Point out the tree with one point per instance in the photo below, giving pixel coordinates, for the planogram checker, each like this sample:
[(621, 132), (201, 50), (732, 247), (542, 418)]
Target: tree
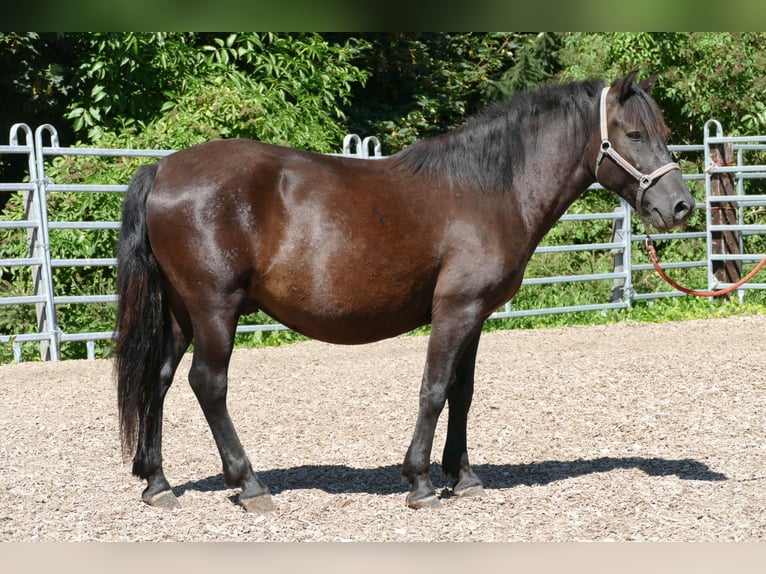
[(33, 77), (536, 63), (701, 76), (184, 88), (422, 84), (34, 86)]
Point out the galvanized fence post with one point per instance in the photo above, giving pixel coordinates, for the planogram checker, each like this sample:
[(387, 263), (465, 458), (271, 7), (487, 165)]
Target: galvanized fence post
[(50, 322), (622, 285)]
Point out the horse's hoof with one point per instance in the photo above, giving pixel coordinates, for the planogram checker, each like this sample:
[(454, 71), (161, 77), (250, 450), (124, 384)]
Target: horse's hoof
[(476, 491), (258, 504), (164, 499), (430, 502)]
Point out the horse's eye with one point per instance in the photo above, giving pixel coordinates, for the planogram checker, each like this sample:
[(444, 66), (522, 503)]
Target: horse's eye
[(634, 136)]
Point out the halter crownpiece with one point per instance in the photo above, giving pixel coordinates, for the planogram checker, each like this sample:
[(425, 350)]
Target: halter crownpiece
[(645, 181)]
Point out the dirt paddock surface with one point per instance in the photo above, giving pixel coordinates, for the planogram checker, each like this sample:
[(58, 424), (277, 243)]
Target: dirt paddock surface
[(652, 432)]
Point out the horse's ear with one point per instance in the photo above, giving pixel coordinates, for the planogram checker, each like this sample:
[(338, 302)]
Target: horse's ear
[(625, 86), (648, 83)]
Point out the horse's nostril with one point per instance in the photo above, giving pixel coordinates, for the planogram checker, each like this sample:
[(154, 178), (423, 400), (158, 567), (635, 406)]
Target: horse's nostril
[(682, 211)]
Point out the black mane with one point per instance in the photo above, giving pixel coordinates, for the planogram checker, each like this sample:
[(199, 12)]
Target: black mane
[(490, 147)]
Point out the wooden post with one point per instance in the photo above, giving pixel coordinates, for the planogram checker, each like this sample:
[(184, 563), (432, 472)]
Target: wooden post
[(724, 242)]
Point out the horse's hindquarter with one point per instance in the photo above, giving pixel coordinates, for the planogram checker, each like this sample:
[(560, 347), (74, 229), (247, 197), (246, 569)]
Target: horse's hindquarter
[(338, 249)]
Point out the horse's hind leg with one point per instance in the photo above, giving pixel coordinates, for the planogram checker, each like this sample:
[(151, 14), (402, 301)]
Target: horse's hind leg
[(147, 463), (455, 457), (214, 340)]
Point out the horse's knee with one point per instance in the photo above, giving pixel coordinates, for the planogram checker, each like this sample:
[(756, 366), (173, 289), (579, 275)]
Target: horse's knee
[(208, 384), (433, 397)]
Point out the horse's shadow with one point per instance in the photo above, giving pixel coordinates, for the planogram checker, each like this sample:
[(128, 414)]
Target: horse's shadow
[(339, 479)]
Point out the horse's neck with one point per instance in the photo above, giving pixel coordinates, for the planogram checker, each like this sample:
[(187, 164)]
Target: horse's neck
[(549, 184)]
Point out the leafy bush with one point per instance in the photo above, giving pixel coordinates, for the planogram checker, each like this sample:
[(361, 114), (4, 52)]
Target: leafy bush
[(701, 75), (279, 88)]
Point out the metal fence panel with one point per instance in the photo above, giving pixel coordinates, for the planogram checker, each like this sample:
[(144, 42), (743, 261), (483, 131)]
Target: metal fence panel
[(620, 245), (38, 261)]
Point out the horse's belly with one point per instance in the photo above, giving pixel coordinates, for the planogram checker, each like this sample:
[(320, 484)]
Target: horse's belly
[(348, 331), (351, 312)]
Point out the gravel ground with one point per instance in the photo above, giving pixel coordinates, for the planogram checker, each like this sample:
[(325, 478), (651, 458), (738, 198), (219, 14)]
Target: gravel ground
[(650, 432)]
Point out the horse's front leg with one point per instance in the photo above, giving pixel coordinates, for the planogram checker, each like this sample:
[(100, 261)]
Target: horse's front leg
[(455, 462), (448, 342)]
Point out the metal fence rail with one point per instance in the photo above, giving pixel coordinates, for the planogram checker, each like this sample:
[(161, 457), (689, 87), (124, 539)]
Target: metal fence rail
[(38, 225)]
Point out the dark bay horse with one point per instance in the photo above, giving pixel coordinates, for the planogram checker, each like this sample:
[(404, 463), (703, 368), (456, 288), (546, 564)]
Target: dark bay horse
[(352, 251)]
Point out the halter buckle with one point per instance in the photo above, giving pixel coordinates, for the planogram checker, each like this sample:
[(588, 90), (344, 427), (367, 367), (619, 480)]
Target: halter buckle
[(645, 182)]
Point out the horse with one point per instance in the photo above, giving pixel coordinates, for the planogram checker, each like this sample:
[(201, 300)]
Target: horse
[(350, 251)]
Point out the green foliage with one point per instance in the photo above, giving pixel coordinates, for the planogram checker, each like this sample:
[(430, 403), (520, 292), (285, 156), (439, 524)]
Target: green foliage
[(700, 76), (536, 64), (422, 84), (265, 338), (69, 243), (34, 86), (280, 88), (122, 78), (728, 83)]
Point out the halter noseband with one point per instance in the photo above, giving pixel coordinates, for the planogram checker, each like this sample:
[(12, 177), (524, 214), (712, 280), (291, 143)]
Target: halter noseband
[(644, 181)]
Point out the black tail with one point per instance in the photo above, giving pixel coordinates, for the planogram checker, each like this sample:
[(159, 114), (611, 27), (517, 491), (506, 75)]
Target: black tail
[(138, 343)]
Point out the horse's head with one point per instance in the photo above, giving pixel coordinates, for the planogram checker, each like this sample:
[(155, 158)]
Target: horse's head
[(633, 158)]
